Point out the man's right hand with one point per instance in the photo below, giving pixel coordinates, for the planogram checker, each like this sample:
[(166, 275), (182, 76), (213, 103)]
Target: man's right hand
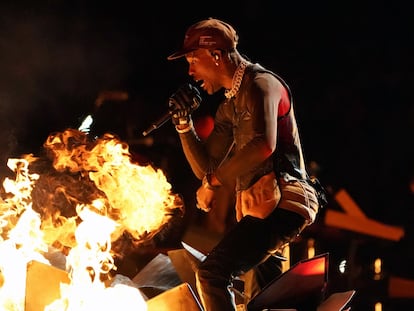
[(183, 102)]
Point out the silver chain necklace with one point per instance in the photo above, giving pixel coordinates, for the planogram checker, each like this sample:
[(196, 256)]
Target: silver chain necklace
[(237, 79)]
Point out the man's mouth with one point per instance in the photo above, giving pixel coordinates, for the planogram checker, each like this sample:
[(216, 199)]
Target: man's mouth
[(200, 83)]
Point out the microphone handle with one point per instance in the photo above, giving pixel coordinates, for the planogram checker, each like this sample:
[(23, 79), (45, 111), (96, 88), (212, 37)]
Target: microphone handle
[(195, 104), (160, 122)]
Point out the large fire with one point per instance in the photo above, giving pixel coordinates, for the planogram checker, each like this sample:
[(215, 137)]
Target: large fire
[(83, 200)]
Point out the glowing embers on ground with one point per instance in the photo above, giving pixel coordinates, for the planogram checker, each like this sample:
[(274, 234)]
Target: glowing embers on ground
[(76, 201)]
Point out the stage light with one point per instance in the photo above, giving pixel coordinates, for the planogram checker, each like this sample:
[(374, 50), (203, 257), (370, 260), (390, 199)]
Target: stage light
[(311, 248), (378, 306), (342, 266), (377, 269)]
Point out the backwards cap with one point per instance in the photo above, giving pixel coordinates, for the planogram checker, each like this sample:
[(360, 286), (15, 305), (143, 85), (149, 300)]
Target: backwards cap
[(208, 34)]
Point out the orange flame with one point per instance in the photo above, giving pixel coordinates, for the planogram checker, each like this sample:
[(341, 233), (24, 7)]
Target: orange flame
[(79, 198), (137, 197)]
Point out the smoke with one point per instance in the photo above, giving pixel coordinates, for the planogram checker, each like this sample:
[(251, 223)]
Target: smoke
[(54, 60)]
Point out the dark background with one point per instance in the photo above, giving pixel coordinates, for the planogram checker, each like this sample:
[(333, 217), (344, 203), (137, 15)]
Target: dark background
[(348, 64)]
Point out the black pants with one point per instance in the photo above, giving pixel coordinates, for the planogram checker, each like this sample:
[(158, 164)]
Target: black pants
[(247, 245)]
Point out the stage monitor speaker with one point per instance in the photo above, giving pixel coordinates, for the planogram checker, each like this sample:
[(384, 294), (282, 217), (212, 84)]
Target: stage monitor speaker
[(185, 265), (304, 284), (179, 298), (158, 276), (337, 302)]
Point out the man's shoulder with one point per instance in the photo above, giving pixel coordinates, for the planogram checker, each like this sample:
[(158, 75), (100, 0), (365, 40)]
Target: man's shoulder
[(258, 70), (260, 73)]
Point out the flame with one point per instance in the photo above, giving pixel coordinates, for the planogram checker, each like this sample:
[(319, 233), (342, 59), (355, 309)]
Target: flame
[(79, 198), (87, 261), (21, 238)]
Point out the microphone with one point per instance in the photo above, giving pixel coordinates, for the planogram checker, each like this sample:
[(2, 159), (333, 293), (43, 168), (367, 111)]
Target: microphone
[(164, 118), (158, 123)]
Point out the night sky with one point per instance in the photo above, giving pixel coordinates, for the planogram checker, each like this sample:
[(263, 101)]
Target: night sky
[(349, 67)]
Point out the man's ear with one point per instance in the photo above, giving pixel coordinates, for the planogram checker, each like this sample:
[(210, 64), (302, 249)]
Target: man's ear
[(216, 54)]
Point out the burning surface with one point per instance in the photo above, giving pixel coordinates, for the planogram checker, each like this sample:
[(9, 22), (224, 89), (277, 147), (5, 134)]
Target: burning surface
[(79, 199)]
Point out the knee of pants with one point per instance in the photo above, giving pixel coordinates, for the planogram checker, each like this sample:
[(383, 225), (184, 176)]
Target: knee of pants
[(206, 272), (211, 273)]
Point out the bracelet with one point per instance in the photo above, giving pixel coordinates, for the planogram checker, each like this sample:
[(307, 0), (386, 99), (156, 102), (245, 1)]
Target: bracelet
[(207, 184), (186, 129)]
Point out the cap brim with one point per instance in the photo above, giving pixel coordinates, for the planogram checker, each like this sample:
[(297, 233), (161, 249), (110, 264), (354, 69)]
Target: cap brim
[(180, 54)]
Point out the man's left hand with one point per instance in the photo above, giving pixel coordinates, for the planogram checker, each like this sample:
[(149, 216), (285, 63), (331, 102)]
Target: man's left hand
[(205, 198)]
